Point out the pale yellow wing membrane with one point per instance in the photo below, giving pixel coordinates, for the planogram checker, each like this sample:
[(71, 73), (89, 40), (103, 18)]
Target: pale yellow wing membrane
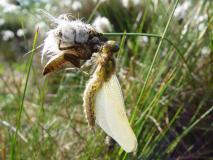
[(111, 116)]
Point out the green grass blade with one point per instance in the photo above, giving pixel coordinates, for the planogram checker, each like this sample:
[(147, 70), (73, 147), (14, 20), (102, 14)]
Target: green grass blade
[(187, 130), (156, 54), (23, 97)]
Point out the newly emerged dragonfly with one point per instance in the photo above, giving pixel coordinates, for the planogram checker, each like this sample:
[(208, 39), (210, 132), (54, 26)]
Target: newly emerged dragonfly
[(103, 100), (69, 42)]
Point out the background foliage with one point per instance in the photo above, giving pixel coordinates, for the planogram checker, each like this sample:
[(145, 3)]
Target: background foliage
[(168, 89)]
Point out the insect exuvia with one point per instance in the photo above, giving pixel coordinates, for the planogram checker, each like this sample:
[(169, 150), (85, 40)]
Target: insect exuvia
[(70, 41), (103, 100), (72, 55)]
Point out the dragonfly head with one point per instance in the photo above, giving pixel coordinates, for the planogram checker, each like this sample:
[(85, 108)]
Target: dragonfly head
[(111, 46)]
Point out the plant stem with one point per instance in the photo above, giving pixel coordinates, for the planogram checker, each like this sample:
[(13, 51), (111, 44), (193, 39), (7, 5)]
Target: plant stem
[(23, 97), (94, 11), (156, 36), (156, 53), (150, 69)]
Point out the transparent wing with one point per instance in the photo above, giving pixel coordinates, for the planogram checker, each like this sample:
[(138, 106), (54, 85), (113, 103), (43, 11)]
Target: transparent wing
[(111, 116)]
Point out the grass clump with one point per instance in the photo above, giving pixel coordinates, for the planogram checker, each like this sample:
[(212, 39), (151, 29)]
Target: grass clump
[(166, 77)]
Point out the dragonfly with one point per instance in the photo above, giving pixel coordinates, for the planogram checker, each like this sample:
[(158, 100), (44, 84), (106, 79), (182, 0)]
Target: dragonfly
[(104, 102)]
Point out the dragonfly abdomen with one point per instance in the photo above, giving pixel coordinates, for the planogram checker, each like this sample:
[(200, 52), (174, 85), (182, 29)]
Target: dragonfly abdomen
[(90, 91)]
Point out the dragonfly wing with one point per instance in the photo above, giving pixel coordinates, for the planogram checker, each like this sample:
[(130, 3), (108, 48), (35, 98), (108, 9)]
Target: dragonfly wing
[(111, 116)]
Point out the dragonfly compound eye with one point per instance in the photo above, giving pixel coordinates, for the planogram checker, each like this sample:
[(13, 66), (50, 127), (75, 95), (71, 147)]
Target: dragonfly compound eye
[(113, 46)]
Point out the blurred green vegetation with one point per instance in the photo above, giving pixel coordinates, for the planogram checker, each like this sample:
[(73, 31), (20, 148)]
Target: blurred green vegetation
[(170, 110)]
